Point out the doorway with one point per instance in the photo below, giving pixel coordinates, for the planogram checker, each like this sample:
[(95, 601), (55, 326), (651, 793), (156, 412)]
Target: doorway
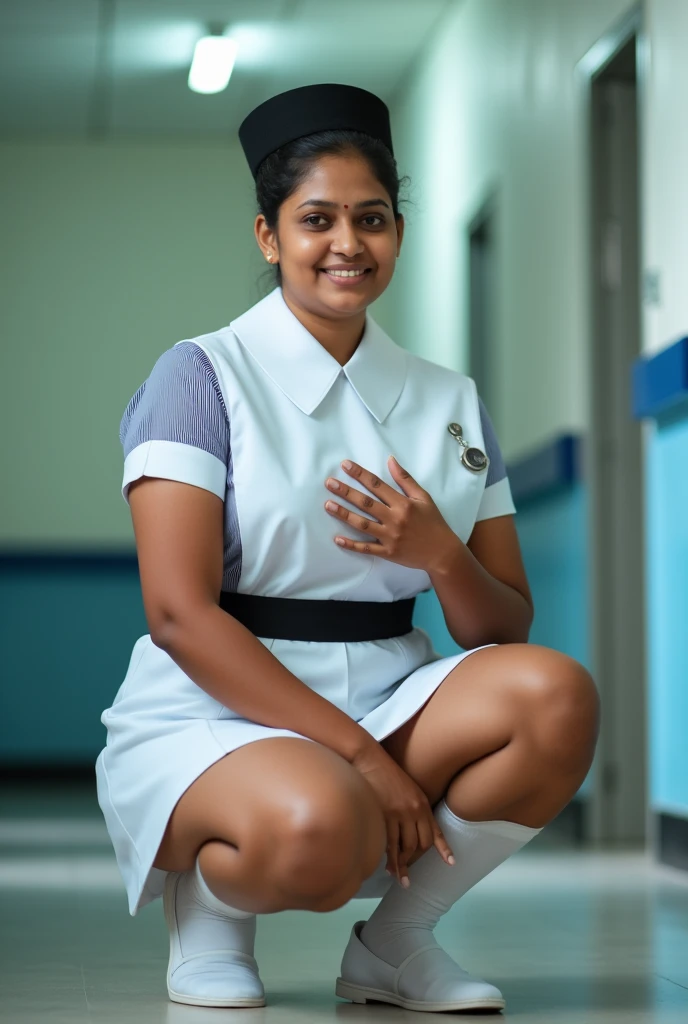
[(618, 798)]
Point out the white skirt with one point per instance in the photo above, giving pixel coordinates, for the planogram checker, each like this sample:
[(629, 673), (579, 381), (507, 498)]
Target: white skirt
[(164, 731)]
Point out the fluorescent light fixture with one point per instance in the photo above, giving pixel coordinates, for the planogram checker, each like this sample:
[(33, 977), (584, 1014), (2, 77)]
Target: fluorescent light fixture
[(212, 63)]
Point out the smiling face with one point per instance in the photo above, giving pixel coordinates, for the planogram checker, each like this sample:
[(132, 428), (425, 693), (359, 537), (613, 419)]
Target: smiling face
[(336, 238)]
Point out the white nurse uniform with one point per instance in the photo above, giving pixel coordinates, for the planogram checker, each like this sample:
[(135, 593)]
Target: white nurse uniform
[(260, 414)]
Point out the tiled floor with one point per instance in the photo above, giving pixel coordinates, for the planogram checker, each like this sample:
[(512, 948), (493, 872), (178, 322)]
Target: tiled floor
[(570, 937)]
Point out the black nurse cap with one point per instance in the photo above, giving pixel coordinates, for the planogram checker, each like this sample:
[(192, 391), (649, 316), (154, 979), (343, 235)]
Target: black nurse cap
[(309, 109)]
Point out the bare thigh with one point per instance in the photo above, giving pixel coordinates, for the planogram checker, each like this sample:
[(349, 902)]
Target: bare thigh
[(285, 822)]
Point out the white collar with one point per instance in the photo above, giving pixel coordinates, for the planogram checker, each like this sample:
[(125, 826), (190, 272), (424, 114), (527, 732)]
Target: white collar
[(305, 371)]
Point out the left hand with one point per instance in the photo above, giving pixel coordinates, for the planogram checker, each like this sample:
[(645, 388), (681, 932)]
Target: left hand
[(408, 528)]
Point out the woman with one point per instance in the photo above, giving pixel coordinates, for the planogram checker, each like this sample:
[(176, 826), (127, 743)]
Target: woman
[(284, 739)]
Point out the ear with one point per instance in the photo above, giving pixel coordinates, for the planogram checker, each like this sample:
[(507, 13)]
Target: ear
[(401, 224), (266, 238)]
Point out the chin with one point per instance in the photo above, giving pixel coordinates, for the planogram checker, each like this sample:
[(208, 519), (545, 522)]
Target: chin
[(350, 306), (348, 302)]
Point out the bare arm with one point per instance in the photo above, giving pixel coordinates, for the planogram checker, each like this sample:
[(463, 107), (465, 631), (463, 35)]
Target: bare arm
[(482, 586), (179, 539)]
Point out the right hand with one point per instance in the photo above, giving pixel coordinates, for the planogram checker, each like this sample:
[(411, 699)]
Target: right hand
[(411, 825)]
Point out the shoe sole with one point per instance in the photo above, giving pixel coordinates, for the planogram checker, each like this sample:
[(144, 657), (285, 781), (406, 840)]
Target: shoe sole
[(361, 994), (179, 997)]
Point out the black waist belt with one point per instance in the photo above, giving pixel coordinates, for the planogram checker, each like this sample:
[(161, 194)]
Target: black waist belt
[(288, 618)]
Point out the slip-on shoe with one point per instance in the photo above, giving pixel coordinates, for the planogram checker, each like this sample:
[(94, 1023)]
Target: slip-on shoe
[(427, 980), (215, 977)]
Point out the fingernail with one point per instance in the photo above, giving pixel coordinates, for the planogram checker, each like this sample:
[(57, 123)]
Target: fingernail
[(392, 457), (405, 882), (450, 860), (346, 464), (330, 506)]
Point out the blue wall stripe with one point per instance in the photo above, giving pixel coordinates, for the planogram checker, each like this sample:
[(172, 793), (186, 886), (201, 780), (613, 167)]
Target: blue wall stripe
[(552, 467), (68, 625), (37, 560), (667, 572), (660, 382)]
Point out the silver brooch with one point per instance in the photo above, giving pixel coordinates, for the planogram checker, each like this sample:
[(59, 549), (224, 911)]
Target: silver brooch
[(472, 458)]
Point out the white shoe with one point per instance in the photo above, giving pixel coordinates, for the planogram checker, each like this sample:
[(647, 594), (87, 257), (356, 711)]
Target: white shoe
[(427, 980), (216, 976)]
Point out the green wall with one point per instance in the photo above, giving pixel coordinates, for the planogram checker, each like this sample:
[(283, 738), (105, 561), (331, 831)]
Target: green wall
[(116, 251)]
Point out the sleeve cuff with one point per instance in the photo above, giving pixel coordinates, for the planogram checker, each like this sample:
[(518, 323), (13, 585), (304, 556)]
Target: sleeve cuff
[(172, 460), (496, 501)]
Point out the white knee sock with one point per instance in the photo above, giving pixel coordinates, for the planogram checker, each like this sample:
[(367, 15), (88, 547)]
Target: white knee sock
[(208, 923), (405, 918)]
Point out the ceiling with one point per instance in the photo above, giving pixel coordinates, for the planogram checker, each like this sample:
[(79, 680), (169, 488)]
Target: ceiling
[(118, 68)]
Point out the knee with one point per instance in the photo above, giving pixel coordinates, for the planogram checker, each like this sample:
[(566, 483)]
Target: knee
[(562, 705), (325, 844)]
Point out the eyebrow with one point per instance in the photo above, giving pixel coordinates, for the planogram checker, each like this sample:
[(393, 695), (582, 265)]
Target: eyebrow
[(330, 205)]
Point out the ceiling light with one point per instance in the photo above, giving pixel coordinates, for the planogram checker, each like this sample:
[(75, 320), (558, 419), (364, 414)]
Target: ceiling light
[(212, 63)]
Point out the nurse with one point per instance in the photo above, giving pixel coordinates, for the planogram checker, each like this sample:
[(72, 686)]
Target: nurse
[(284, 737)]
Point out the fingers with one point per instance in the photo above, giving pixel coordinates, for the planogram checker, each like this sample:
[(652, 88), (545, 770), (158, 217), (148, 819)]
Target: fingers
[(382, 491), (414, 840), (442, 846), (353, 519), (362, 523), (387, 497), (409, 486), (408, 845), (380, 509), (357, 498), (426, 832), (393, 847)]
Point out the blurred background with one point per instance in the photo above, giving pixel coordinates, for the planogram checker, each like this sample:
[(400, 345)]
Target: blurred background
[(546, 255)]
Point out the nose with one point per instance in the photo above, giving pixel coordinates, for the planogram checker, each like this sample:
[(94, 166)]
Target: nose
[(346, 242)]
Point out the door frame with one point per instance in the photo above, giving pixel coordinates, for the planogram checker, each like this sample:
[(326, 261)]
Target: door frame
[(603, 822)]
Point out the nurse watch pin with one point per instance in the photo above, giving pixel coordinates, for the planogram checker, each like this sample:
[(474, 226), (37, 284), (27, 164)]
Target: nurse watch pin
[(472, 458)]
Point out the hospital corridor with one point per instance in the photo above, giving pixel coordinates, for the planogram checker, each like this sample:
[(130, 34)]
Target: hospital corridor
[(344, 511)]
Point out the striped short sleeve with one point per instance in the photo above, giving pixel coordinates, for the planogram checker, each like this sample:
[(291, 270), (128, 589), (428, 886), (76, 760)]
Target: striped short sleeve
[(496, 499), (176, 425)]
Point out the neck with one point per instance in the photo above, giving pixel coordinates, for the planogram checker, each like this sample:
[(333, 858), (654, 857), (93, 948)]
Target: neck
[(338, 337)]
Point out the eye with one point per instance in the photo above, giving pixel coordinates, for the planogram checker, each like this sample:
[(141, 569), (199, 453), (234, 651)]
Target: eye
[(372, 217), (314, 217)]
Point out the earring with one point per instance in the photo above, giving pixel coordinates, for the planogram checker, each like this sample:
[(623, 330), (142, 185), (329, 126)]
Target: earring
[(269, 257)]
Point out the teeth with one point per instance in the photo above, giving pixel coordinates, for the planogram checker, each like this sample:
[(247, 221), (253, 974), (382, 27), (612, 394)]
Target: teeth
[(345, 273)]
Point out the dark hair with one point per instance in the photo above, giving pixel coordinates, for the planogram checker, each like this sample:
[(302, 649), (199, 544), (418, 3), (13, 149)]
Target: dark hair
[(281, 173)]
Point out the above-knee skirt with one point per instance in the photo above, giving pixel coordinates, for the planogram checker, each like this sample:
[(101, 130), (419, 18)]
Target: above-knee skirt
[(164, 731)]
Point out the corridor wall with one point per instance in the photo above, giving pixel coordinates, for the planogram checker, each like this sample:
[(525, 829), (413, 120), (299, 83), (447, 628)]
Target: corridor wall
[(665, 230), (496, 109), (117, 251)]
